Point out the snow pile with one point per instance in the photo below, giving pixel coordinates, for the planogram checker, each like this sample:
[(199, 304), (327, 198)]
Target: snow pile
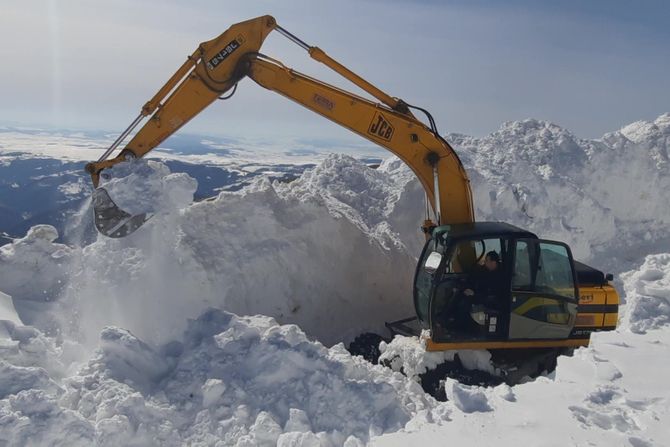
[(648, 294), (34, 270), (31, 370), (32, 266), (310, 253), (148, 186), (229, 380), (346, 187), (597, 195), (612, 393), (468, 399), (334, 250)]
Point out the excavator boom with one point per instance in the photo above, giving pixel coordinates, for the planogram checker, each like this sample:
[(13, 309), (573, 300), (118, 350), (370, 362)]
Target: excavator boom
[(426, 153)]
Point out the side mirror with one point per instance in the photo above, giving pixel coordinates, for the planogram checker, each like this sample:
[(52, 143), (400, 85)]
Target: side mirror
[(433, 262), (609, 277)]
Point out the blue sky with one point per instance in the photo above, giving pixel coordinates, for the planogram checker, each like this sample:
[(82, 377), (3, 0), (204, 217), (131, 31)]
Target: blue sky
[(588, 66)]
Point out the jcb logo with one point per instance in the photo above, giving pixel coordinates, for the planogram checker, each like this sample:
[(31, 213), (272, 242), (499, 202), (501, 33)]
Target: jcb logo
[(380, 127)]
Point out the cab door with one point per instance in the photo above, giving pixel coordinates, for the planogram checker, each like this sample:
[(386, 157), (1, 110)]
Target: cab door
[(544, 291), (424, 278)]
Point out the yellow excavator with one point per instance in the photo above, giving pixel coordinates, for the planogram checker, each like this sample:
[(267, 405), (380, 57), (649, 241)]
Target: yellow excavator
[(543, 298)]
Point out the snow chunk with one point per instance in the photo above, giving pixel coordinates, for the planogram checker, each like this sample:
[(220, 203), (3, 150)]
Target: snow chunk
[(148, 186), (408, 354), (212, 391), (265, 430), (34, 270), (7, 310), (38, 233), (271, 249), (129, 359), (297, 421), (648, 294), (468, 399)]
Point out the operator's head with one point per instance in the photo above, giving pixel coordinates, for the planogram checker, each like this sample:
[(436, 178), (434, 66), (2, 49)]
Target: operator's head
[(491, 261)]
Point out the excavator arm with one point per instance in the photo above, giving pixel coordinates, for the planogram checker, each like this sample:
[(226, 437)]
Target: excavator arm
[(207, 73), (218, 65), (431, 158)]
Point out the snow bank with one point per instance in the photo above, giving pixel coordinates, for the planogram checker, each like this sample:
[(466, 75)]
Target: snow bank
[(612, 393), (316, 252), (597, 195), (648, 294), (228, 381)]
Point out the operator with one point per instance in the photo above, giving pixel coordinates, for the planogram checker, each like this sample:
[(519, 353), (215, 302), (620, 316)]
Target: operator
[(487, 281), (486, 286)]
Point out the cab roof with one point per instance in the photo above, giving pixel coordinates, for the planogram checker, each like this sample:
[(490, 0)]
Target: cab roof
[(482, 230)]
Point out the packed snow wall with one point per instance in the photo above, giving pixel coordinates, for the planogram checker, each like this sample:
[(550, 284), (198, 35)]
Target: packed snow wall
[(606, 198), (318, 252)]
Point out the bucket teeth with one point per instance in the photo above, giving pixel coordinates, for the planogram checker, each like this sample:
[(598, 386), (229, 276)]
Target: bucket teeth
[(111, 220)]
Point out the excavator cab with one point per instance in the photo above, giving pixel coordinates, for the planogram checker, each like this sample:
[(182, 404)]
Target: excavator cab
[(531, 299)]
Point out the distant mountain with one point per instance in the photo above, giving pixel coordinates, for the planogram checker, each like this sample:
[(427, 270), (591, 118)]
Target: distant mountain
[(600, 196)]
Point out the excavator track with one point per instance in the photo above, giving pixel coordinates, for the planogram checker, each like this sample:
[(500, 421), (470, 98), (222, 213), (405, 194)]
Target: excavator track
[(512, 366)]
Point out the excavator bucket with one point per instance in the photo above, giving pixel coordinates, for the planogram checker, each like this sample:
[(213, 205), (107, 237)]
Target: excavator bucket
[(111, 220)]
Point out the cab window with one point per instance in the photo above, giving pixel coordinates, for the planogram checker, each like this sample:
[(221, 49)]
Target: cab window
[(543, 267), (423, 282), (522, 278), (469, 253), (554, 273)]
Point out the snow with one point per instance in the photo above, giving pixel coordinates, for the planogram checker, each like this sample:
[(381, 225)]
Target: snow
[(468, 399), (271, 249), (612, 393), (73, 189), (221, 322), (596, 195), (648, 294), (234, 380)]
